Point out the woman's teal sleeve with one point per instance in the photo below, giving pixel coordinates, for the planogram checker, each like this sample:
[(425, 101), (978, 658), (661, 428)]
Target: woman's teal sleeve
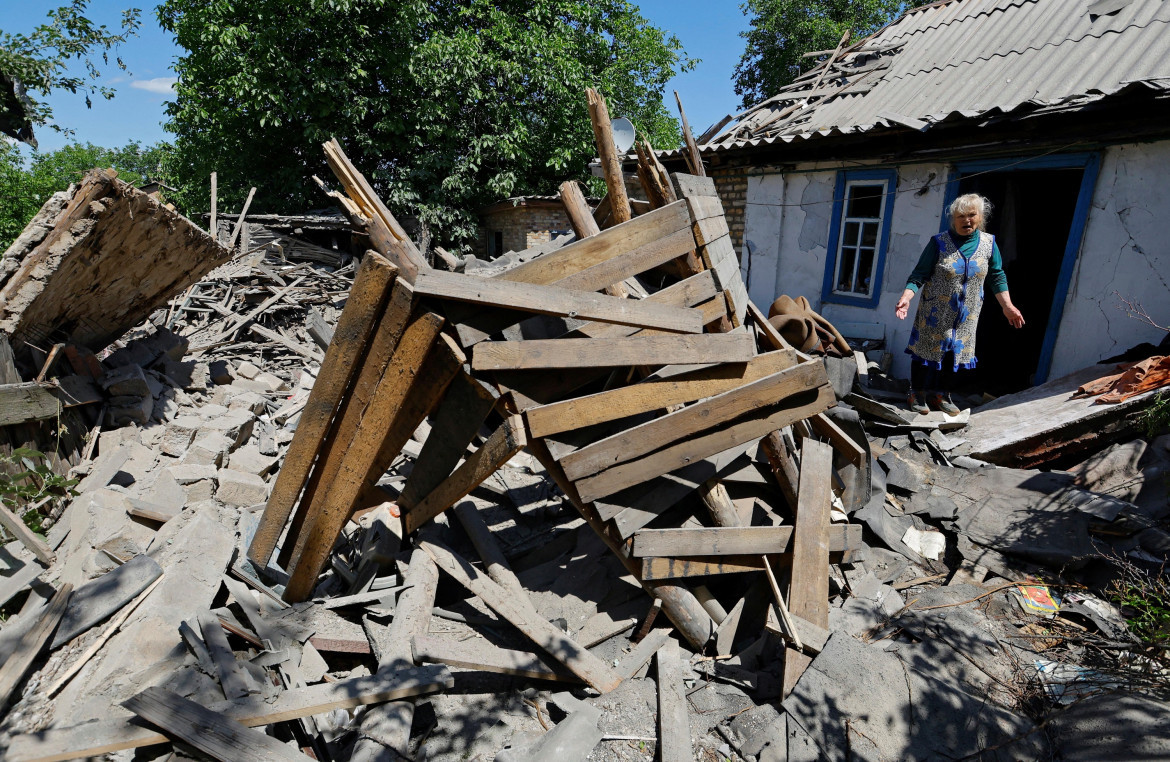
[(925, 266), (996, 277)]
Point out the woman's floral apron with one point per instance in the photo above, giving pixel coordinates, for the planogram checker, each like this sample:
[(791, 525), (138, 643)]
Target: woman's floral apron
[(948, 312)]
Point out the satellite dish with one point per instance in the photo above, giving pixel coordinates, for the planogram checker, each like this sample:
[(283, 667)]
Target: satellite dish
[(623, 134)]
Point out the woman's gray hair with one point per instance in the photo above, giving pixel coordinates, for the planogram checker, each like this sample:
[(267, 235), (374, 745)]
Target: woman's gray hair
[(968, 202)]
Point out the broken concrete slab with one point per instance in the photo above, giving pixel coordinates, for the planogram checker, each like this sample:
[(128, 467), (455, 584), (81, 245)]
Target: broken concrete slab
[(208, 449), (240, 488), (126, 380), (178, 435), (859, 702), (250, 460)]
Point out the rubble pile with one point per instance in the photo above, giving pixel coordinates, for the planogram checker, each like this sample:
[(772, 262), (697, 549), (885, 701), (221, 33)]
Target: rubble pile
[(585, 503)]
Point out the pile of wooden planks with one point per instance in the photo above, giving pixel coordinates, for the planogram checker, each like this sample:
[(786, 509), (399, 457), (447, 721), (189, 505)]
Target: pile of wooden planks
[(629, 362)]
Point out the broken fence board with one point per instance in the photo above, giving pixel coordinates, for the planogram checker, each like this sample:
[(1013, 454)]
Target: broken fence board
[(105, 736), (674, 730), (557, 301), (504, 443), (734, 541), (627, 238), (17, 665), (370, 288), (680, 455), (232, 677), (208, 731), (485, 657), (652, 394), (808, 592), (578, 660), (693, 419), (612, 353)]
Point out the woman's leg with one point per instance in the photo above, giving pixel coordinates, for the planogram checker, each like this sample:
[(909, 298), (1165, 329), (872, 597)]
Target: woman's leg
[(946, 376), (917, 376)]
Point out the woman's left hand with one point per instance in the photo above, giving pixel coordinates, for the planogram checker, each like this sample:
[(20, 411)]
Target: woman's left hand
[(1013, 315)]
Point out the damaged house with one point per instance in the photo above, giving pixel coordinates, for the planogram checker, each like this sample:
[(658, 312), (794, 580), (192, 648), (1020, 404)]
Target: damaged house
[(1056, 110)]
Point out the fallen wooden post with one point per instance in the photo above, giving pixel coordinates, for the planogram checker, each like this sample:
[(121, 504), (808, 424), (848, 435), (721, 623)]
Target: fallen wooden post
[(17, 665)]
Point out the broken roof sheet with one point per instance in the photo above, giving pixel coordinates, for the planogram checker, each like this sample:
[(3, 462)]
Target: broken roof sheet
[(969, 58)]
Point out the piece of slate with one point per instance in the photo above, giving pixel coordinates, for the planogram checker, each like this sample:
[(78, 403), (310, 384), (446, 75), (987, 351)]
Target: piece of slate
[(100, 598)]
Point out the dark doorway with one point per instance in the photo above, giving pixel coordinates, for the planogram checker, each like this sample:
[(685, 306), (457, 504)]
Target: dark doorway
[(1031, 219)]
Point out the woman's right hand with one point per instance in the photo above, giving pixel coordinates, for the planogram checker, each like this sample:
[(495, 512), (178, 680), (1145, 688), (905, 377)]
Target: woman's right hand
[(903, 307)]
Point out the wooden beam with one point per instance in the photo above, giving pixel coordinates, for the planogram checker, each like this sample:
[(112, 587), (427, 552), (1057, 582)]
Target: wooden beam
[(371, 286), (554, 300), (612, 353), (557, 644), (373, 365), (677, 456), (485, 657), (29, 539), (689, 292), (25, 402), (611, 165), (30, 645), (454, 427), (704, 542), (580, 215), (505, 442), (674, 730), (693, 419), (841, 441), (808, 593), (208, 731), (93, 739), (641, 233), (652, 394), (359, 455)]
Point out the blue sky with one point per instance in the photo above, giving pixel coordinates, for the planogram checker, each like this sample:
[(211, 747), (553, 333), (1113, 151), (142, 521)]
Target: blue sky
[(708, 30)]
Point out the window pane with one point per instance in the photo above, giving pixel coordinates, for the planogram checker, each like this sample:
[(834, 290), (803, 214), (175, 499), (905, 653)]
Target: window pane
[(869, 232), (851, 231), (865, 201), (845, 273), (865, 272)]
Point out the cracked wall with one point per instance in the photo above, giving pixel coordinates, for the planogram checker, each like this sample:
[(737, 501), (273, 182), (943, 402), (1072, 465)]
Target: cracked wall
[(786, 243), (1124, 253)]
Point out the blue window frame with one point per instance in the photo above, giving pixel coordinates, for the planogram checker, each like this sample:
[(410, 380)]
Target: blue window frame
[(863, 205)]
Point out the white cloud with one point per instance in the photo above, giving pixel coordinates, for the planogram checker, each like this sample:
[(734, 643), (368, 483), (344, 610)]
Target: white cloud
[(161, 85)]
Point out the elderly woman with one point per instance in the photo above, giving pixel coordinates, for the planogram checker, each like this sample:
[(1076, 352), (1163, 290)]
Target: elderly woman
[(952, 272)]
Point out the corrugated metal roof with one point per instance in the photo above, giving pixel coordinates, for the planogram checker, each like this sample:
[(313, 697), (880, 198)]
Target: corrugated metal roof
[(976, 57)]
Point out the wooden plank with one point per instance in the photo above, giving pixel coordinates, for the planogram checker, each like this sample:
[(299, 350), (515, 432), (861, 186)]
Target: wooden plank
[(561, 647), (232, 677), (305, 351), (624, 239), (370, 288), (689, 292), (29, 539), (15, 578), (676, 456), (373, 365), (504, 442), (32, 401), (688, 186), (209, 732), (704, 207), (20, 661), (629, 664), (841, 441), (734, 541), (485, 657), (454, 427), (554, 300), (709, 231), (808, 592), (702, 416), (612, 353), (331, 510), (94, 739), (652, 394), (812, 637), (674, 730), (627, 264)]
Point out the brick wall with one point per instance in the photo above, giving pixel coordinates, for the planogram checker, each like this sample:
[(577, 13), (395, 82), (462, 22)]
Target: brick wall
[(523, 227), (731, 184)]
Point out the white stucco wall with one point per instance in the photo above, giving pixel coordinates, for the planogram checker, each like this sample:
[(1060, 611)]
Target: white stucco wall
[(786, 236), (1126, 249)]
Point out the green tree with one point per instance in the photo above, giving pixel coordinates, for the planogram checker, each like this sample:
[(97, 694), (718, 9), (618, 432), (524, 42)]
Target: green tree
[(782, 31), (445, 105), (25, 185), (33, 65)]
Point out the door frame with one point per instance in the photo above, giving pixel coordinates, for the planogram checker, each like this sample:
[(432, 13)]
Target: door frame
[(1090, 162)]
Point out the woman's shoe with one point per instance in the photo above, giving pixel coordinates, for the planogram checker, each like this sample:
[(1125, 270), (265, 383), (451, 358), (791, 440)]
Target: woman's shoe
[(943, 402), (917, 404)]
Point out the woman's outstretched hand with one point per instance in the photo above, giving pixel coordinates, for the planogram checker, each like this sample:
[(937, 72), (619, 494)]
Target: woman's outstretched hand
[(1013, 315), (903, 307)]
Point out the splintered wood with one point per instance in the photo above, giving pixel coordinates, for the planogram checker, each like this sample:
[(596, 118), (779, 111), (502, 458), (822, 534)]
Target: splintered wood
[(629, 362)]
